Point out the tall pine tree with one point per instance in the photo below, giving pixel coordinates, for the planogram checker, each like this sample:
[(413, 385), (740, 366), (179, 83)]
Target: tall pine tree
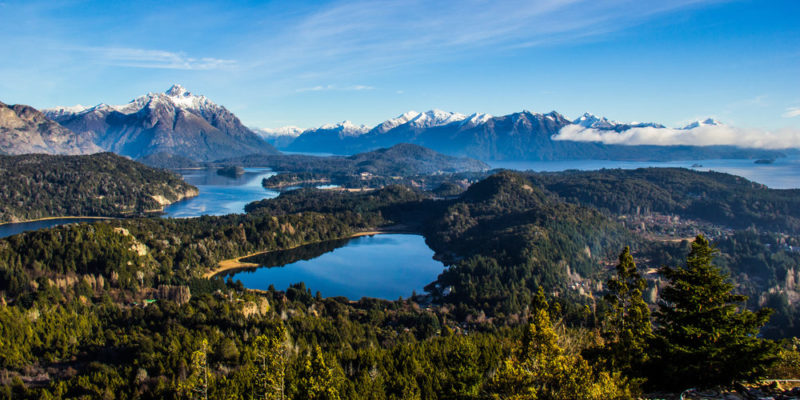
[(705, 337), (627, 328), (316, 380)]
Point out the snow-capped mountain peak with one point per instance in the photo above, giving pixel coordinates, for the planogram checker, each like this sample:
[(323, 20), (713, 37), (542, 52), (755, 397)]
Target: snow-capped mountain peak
[(588, 120), (706, 122), (74, 109), (182, 98), (427, 119), (476, 119), (287, 131), (58, 111), (347, 128), (177, 90), (174, 121), (435, 118), (395, 122)]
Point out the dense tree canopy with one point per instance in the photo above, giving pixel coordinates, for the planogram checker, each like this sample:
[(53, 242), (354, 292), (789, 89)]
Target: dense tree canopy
[(704, 336), (120, 309), (37, 185)]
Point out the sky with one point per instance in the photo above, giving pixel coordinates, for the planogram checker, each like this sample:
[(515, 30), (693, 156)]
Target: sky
[(307, 63)]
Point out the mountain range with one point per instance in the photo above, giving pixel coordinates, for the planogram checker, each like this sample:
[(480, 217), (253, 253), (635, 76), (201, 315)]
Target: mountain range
[(23, 129), (175, 122), (192, 127), (519, 136)]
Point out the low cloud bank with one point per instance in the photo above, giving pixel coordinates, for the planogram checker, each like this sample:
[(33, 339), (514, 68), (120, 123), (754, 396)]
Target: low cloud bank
[(706, 135)]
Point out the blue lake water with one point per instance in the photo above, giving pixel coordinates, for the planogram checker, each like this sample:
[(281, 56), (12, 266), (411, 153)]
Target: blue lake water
[(13, 229), (381, 266), (784, 173), (220, 195)]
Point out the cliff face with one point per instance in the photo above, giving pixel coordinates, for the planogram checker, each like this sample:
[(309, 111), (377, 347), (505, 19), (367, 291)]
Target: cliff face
[(24, 130)]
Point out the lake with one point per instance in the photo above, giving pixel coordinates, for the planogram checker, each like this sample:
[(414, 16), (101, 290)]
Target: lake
[(784, 173), (220, 195), (13, 229), (385, 266)]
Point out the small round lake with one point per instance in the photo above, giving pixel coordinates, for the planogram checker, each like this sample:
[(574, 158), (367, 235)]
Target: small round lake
[(384, 266)]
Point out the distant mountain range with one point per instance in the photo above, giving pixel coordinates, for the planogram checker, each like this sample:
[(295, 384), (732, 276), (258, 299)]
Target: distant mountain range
[(519, 136), (24, 130), (195, 129), (175, 122)]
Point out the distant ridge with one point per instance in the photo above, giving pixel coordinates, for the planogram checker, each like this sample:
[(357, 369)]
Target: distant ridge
[(25, 130), (520, 136), (175, 122)]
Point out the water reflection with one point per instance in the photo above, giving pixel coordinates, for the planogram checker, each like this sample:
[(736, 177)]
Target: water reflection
[(219, 194), (382, 266)]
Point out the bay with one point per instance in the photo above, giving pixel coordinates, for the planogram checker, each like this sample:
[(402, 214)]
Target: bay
[(219, 194)]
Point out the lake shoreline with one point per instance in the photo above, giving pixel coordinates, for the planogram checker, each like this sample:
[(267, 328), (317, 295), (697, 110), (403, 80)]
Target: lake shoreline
[(236, 263), (53, 218)]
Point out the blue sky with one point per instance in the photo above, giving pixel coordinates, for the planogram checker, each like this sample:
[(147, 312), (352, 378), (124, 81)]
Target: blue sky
[(306, 63)]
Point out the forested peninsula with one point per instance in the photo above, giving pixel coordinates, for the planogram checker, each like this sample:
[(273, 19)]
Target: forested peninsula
[(35, 186)]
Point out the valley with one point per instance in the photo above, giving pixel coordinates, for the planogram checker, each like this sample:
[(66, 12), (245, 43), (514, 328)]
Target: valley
[(364, 262), (400, 200), (506, 235)]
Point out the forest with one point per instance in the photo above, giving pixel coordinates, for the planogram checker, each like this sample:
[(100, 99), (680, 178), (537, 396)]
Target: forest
[(544, 297), (717, 197), (399, 160), (36, 186)]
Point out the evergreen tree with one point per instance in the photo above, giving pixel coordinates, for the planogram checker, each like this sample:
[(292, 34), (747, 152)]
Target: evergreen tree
[(196, 385), (627, 328), (705, 336), (316, 380), (271, 360), (541, 369)]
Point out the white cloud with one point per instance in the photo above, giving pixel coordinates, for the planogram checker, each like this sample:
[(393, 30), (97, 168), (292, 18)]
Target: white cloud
[(147, 58), (704, 135), (792, 112)]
